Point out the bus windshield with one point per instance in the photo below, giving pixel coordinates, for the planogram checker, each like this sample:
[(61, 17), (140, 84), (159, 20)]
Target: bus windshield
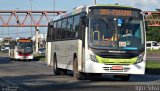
[(23, 45), (112, 32)]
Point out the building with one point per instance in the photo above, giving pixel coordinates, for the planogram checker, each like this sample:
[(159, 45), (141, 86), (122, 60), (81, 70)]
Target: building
[(41, 40)]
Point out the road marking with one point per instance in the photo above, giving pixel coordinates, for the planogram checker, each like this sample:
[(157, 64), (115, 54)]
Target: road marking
[(13, 84)]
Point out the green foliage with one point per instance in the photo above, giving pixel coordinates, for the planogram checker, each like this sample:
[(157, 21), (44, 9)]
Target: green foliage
[(39, 58), (153, 34), (153, 51), (152, 64)]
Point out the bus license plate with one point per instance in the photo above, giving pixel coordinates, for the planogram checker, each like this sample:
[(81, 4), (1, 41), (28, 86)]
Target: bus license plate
[(117, 68)]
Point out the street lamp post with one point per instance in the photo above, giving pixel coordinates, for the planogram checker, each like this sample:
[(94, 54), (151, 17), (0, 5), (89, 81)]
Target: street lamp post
[(8, 35), (31, 13), (2, 32), (36, 38), (54, 3), (95, 2), (17, 22)]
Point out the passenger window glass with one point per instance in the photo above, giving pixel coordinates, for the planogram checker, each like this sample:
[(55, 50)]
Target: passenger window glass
[(76, 26), (70, 27)]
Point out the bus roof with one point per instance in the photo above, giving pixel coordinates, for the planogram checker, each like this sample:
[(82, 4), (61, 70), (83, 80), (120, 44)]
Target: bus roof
[(114, 5), (76, 10)]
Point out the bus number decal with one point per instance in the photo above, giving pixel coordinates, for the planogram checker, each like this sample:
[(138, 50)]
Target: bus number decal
[(122, 44)]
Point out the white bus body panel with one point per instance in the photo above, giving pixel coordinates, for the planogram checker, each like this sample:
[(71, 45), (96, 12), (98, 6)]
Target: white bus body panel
[(65, 51), (48, 53)]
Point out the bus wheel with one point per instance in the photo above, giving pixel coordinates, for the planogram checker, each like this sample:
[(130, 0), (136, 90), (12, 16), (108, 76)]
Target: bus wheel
[(125, 78), (12, 59), (56, 71), (30, 60), (63, 71), (76, 74)]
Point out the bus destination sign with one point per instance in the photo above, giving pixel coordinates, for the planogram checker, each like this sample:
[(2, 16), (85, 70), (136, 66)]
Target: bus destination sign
[(23, 40), (116, 12)]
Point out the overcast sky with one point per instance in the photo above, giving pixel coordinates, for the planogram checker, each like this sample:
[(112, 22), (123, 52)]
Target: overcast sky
[(68, 5)]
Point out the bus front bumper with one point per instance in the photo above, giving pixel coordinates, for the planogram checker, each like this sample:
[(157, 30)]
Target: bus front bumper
[(24, 57), (94, 67)]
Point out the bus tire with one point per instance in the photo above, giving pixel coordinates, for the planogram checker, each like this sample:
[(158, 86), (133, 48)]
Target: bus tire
[(76, 74), (63, 71), (125, 78), (11, 59), (30, 60), (56, 70)]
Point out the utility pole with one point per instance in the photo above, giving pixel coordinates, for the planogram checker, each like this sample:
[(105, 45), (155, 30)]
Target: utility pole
[(95, 2), (8, 35), (54, 5), (17, 22), (2, 32), (36, 38), (31, 13)]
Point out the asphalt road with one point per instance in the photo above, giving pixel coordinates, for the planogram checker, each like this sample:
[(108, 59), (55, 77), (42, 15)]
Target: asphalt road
[(155, 59), (37, 76)]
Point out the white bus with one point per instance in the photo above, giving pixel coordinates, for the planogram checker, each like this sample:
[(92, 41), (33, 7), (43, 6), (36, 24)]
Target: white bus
[(152, 45), (91, 40), (21, 49)]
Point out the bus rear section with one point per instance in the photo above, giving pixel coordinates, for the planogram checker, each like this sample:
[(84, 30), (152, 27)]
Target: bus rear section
[(22, 49)]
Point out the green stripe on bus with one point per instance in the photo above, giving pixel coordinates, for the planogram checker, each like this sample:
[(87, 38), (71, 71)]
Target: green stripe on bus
[(116, 61)]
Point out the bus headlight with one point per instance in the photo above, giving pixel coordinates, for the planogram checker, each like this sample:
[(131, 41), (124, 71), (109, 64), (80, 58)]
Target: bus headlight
[(93, 58), (140, 58)]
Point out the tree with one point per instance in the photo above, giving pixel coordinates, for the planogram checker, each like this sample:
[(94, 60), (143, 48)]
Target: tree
[(153, 34)]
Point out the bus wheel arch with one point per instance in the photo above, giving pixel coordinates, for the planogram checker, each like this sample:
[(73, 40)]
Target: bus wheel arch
[(75, 65), (76, 74), (55, 68)]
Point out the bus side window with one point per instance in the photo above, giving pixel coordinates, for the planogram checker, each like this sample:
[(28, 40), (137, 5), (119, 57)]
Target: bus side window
[(49, 34), (64, 30), (69, 27), (58, 30), (54, 31), (76, 26), (76, 31)]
